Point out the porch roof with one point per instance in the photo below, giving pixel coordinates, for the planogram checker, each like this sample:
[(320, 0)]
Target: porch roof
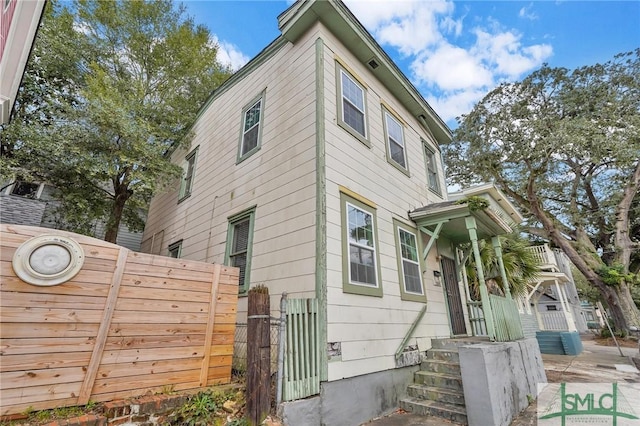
[(451, 215)]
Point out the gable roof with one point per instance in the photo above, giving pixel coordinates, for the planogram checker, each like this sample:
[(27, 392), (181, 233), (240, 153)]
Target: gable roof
[(335, 16)]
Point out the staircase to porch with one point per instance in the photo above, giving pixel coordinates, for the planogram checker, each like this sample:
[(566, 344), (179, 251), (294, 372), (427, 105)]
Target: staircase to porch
[(437, 387)]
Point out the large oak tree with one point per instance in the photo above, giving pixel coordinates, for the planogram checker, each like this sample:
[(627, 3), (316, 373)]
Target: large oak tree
[(565, 146), (111, 87)]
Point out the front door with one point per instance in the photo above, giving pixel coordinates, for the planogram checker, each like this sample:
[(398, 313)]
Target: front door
[(451, 287)]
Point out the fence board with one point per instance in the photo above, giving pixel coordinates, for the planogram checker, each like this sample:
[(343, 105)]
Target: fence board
[(17, 379), (107, 314), (168, 330)]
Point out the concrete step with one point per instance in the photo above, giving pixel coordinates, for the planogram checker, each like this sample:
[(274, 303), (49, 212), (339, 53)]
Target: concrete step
[(440, 366), (454, 343), (443, 354), (439, 380), (447, 396), (422, 407)]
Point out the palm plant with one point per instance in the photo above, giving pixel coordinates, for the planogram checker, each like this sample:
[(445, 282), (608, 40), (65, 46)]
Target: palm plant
[(521, 266)]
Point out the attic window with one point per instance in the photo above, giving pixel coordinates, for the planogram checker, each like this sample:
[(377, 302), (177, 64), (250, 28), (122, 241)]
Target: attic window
[(373, 64)]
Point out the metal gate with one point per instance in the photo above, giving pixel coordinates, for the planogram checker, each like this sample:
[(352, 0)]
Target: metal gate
[(456, 312), (302, 356)]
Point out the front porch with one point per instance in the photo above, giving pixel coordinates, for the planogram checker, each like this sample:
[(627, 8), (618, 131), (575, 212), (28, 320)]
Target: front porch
[(473, 215)]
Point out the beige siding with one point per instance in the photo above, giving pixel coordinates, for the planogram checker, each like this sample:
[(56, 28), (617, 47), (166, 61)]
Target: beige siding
[(279, 179), (370, 329)]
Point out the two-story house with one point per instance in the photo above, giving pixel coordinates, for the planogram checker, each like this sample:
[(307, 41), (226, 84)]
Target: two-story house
[(316, 169)]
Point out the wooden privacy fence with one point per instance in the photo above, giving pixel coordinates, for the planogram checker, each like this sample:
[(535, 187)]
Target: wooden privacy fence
[(125, 325)]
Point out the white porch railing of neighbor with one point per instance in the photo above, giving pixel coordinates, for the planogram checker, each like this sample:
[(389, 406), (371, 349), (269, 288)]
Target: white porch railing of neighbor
[(554, 320)]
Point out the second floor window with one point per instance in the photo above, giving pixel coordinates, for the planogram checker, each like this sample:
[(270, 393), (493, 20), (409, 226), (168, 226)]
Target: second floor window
[(352, 111), (251, 128), (395, 141), (189, 169), (433, 180)]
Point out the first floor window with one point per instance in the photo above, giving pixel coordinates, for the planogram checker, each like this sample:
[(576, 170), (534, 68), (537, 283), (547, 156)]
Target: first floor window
[(175, 249), (409, 267), (239, 244), (360, 248)]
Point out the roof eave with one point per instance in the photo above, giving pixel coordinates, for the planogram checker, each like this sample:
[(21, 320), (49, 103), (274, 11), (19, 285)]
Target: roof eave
[(334, 15)]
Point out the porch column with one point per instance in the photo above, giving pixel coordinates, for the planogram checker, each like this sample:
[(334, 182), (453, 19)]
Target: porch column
[(497, 246), (484, 294), (568, 315), (536, 308)]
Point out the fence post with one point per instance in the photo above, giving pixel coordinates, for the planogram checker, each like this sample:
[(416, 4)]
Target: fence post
[(281, 339), (258, 355)]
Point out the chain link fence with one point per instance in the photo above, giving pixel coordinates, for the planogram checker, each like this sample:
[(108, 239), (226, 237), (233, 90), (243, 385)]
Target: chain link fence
[(239, 362)]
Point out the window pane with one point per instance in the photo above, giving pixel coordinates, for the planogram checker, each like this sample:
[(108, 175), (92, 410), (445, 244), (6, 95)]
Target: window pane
[(252, 116), (363, 268), (240, 236), (360, 226), (240, 261), (250, 140), (397, 153), (25, 189), (394, 129), (352, 92), (432, 171), (408, 246), (353, 117), (412, 282)]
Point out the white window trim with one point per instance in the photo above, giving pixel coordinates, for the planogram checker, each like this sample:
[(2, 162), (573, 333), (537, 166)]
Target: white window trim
[(403, 259), (258, 99), (430, 152), (341, 72), (387, 115), (186, 190), (173, 246), (9, 190)]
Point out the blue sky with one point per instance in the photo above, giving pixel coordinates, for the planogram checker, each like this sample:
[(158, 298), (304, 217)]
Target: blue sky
[(454, 52)]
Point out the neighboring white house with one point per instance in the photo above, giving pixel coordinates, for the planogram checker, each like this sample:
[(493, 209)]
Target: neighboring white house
[(316, 169), (552, 303)]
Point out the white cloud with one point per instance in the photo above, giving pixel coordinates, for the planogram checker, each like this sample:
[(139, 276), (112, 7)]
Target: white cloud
[(453, 104), (506, 53), (456, 67), (229, 54), (527, 13), (451, 68), (410, 26)]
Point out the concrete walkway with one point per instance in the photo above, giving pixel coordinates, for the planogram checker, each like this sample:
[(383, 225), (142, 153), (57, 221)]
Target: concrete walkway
[(596, 364)]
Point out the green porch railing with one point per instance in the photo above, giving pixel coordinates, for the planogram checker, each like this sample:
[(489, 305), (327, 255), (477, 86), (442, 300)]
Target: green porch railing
[(302, 356), (476, 318), (506, 319)]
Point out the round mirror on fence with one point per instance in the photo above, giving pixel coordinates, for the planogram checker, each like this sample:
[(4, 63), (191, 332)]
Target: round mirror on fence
[(48, 260)]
